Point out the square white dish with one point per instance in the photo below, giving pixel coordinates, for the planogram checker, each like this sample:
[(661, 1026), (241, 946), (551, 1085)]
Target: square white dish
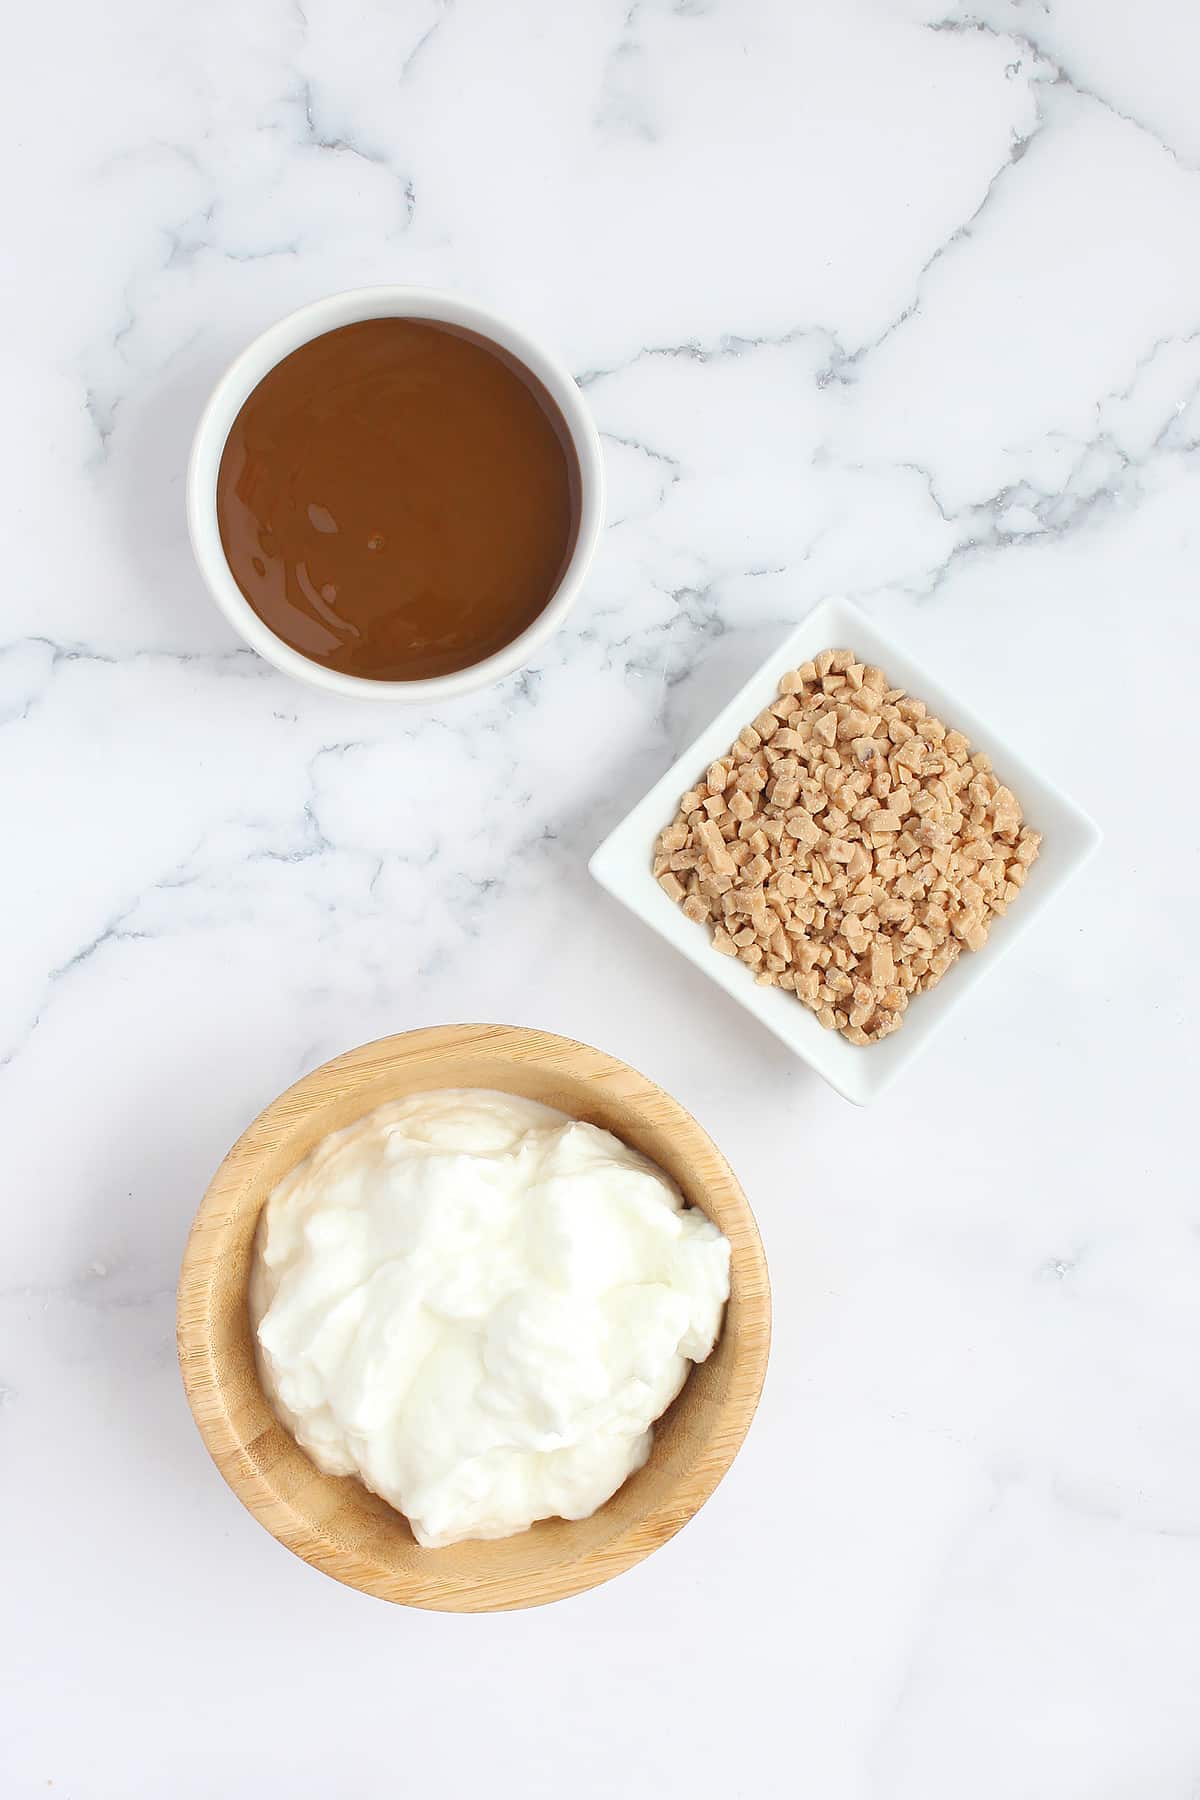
[(859, 1072)]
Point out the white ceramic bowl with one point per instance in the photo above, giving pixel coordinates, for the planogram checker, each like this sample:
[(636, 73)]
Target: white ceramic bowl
[(858, 1072), (244, 375)]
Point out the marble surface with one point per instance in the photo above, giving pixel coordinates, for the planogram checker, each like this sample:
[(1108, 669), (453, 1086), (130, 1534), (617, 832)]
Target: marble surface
[(890, 298)]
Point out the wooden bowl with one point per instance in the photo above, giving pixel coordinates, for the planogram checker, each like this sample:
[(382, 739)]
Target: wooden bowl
[(332, 1521)]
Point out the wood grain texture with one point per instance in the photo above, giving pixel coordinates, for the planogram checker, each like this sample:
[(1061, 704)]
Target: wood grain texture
[(333, 1522)]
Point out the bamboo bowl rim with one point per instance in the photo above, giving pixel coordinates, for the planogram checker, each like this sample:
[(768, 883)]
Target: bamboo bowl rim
[(334, 1522)]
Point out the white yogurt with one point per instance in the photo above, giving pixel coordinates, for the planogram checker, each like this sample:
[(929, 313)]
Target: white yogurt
[(479, 1307)]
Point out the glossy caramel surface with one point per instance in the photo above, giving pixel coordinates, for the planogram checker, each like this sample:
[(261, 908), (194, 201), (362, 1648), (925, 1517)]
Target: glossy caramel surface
[(398, 499)]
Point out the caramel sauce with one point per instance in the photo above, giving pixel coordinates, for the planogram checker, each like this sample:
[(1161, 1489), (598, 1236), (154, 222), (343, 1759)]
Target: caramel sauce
[(398, 499)]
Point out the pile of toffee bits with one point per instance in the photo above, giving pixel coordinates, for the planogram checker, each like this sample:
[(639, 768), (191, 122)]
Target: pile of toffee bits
[(848, 847)]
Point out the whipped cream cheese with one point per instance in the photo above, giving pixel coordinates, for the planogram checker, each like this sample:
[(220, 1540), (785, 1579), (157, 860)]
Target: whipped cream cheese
[(479, 1306)]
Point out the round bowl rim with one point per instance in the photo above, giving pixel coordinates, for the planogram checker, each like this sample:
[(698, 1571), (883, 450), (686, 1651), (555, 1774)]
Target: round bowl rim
[(269, 348), (216, 1221)]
